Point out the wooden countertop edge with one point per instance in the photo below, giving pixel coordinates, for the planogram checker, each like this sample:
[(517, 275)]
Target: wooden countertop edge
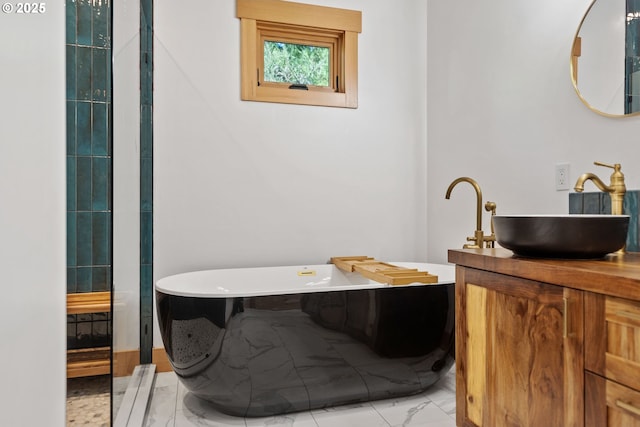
[(615, 275)]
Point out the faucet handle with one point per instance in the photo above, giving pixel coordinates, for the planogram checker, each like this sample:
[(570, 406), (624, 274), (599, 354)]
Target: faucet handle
[(617, 177), (615, 166)]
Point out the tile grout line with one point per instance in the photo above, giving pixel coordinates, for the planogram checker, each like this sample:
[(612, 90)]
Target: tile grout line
[(175, 408), (380, 415)]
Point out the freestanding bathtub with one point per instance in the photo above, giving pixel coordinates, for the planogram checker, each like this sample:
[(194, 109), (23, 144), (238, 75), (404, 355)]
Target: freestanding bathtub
[(272, 340)]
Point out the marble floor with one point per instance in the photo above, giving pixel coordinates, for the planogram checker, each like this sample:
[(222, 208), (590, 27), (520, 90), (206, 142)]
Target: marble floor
[(172, 406)]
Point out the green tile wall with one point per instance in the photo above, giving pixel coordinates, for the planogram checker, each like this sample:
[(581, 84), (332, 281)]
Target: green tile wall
[(89, 163)]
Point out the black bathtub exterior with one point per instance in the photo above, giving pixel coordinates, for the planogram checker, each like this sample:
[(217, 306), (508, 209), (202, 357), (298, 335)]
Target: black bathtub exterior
[(268, 355)]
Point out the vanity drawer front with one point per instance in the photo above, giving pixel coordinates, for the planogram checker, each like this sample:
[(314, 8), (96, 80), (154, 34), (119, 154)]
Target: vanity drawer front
[(609, 404), (622, 357), (612, 338)]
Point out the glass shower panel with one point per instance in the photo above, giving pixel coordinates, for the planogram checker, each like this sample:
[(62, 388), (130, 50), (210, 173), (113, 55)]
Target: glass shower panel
[(126, 196)]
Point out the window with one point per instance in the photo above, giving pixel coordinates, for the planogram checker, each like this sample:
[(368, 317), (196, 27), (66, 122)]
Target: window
[(297, 64), (299, 53)]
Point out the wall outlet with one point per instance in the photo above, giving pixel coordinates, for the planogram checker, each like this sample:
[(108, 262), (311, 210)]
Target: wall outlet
[(562, 176)]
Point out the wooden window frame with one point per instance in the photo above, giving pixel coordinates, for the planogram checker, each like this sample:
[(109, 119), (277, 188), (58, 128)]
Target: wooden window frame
[(289, 22)]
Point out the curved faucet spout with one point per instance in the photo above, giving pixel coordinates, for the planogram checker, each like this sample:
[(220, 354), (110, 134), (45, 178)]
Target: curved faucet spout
[(579, 187), (478, 193)]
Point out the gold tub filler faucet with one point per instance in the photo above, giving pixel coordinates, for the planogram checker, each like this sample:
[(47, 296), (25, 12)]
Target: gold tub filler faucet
[(616, 188), (479, 239)]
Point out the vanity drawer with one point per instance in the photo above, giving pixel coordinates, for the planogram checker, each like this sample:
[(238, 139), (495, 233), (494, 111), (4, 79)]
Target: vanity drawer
[(610, 404), (612, 347)]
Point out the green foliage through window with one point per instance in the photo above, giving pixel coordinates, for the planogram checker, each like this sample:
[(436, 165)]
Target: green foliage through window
[(296, 64)]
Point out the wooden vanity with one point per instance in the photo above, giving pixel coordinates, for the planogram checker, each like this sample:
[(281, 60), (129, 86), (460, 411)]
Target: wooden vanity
[(546, 342)]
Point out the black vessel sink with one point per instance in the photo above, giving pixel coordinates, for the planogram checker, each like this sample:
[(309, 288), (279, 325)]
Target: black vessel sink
[(561, 236)]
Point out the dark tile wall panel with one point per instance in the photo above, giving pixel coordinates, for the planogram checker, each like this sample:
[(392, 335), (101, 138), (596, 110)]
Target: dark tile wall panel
[(146, 180)]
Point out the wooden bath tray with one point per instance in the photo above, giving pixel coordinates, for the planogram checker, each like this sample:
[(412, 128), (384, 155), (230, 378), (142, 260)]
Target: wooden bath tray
[(381, 271)]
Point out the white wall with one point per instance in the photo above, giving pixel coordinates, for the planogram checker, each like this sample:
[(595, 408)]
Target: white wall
[(502, 109), (32, 218)]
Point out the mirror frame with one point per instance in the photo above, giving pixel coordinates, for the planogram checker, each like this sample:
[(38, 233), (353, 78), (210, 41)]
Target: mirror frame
[(575, 53)]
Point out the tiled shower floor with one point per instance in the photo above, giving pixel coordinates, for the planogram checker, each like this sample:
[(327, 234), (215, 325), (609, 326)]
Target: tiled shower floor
[(88, 401)]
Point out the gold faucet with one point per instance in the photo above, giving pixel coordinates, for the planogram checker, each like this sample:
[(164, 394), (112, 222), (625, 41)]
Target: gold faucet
[(478, 239), (616, 188)]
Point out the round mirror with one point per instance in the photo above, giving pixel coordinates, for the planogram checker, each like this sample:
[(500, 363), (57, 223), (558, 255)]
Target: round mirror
[(605, 59)]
